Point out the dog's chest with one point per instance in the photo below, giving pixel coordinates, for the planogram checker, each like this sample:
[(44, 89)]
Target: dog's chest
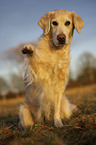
[(56, 73), (53, 67), (61, 70)]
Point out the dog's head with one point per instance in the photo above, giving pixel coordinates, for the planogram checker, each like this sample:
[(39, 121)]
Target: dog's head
[(61, 23)]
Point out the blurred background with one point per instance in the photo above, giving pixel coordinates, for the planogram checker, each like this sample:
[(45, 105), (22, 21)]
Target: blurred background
[(18, 26)]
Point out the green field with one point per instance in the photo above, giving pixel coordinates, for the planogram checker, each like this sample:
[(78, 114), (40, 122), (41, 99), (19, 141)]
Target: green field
[(80, 129)]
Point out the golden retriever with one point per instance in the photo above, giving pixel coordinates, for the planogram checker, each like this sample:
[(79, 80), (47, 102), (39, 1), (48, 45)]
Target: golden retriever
[(47, 70)]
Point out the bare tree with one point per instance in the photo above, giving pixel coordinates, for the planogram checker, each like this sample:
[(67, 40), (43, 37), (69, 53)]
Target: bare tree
[(16, 59), (4, 87), (17, 83), (86, 67), (14, 54)]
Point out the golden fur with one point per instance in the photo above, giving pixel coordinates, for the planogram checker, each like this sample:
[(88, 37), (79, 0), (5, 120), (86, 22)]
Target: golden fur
[(47, 70)]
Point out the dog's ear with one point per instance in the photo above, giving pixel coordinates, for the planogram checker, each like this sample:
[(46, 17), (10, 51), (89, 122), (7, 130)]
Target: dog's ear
[(78, 22), (44, 22)]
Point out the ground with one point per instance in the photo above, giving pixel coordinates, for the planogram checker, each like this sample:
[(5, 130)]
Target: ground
[(80, 129)]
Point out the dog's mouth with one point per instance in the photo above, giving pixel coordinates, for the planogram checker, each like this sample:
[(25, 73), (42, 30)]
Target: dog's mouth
[(58, 46)]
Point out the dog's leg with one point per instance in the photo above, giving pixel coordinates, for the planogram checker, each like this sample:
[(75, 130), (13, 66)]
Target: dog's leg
[(67, 108), (25, 116), (57, 118), (28, 49)]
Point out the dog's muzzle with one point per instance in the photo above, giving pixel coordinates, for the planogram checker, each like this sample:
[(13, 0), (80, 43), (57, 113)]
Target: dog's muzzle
[(61, 39)]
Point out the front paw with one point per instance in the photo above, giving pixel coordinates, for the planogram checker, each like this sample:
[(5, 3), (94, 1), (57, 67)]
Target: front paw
[(20, 127), (28, 49), (58, 122)]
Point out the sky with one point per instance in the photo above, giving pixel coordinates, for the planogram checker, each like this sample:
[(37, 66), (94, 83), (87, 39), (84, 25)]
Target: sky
[(19, 18)]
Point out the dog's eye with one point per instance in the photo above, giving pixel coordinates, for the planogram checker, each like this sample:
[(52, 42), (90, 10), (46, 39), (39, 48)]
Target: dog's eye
[(67, 23), (55, 23)]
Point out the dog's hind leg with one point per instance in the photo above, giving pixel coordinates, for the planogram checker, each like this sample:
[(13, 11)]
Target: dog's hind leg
[(26, 120), (67, 108)]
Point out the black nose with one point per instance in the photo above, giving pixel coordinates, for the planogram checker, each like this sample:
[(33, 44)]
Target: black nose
[(61, 38)]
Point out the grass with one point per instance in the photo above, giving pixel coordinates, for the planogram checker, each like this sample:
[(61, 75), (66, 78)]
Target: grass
[(80, 129)]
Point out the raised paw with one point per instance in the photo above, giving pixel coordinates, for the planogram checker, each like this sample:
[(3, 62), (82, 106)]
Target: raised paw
[(28, 49)]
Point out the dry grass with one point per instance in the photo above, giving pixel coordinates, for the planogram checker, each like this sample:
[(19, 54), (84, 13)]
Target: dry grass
[(80, 129)]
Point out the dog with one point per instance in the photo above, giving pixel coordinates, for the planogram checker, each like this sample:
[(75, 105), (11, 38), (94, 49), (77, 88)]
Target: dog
[(47, 70)]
